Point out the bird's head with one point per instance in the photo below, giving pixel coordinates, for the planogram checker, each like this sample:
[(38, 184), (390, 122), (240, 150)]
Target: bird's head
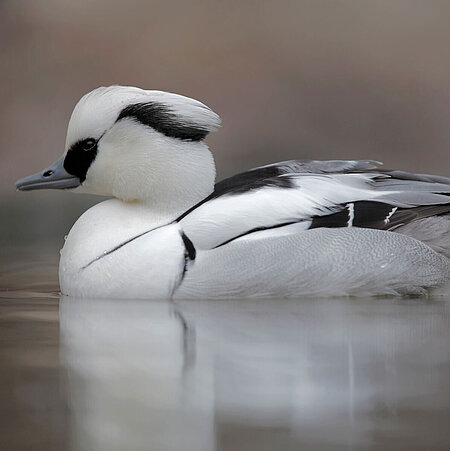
[(133, 144)]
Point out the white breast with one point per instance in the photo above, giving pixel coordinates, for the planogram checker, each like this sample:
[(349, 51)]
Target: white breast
[(96, 263)]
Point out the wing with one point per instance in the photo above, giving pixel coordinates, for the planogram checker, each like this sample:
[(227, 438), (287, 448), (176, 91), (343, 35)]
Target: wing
[(292, 196)]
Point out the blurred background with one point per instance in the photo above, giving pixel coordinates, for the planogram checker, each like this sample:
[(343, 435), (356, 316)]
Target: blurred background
[(306, 79), (290, 79)]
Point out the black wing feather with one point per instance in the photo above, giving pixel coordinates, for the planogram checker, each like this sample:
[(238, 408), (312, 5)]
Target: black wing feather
[(376, 215)]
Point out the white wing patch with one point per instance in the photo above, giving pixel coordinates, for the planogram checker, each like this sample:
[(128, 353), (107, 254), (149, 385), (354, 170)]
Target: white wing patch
[(351, 213), (388, 217)]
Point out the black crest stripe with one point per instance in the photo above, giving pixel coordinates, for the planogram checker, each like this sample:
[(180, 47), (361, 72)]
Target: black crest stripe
[(162, 119)]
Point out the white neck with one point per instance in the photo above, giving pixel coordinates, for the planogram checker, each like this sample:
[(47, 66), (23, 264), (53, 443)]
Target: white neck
[(187, 179)]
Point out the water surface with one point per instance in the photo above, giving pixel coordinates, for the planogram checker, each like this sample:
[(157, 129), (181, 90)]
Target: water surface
[(224, 375)]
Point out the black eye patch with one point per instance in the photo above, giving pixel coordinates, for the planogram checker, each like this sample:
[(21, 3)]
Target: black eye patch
[(80, 157)]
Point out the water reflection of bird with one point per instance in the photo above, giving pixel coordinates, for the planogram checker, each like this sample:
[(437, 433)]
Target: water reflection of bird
[(290, 228), (311, 374)]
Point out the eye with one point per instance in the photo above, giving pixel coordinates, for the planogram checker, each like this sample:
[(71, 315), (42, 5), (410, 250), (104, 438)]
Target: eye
[(88, 144), (80, 156)]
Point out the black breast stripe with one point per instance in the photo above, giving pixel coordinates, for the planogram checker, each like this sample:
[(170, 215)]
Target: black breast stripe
[(116, 248), (190, 249), (189, 254)]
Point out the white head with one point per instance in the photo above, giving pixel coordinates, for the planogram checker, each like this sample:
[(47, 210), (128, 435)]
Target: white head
[(137, 145)]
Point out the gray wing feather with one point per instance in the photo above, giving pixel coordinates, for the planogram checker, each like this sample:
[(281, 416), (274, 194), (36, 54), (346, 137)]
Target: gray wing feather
[(413, 191), (419, 177), (404, 189), (323, 167)]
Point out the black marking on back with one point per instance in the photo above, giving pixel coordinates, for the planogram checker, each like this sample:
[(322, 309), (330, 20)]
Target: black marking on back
[(245, 182), (251, 180), (80, 157), (162, 119)]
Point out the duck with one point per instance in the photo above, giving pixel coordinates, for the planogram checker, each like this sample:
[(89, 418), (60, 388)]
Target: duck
[(298, 228)]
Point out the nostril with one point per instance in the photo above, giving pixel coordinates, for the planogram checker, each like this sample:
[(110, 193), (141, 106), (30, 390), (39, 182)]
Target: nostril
[(48, 173)]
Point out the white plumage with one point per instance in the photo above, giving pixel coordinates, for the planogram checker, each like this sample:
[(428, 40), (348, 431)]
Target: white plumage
[(296, 228)]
